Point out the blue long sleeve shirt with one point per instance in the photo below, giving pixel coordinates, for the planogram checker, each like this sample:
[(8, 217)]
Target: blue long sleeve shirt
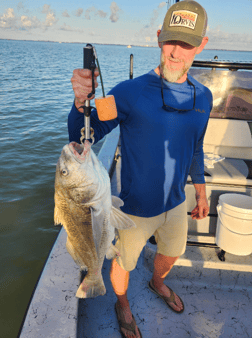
[(159, 147)]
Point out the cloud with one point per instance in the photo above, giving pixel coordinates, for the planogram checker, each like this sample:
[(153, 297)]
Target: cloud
[(26, 22), (78, 12), (50, 16), (150, 29), (162, 4), (155, 15), (153, 19), (46, 9), (50, 19), (88, 11), (8, 19), (20, 6), (97, 12), (65, 14), (68, 28), (101, 14), (220, 39), (29, 22), (114, 12)]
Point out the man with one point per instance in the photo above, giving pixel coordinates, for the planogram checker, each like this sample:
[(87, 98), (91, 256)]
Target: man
[(163, 117)]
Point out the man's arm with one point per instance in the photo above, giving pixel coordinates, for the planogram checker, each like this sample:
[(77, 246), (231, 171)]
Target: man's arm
[(202, 209), (82, 86), (197, 174)]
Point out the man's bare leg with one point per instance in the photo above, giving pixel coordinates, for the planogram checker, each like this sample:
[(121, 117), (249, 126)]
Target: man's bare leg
[(162, 266), (120, 281)]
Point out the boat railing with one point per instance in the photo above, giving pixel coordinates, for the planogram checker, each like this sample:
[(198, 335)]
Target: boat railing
[(223, 65)]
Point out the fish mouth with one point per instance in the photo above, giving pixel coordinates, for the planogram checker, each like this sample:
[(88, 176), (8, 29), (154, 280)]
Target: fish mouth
[(80, 150)]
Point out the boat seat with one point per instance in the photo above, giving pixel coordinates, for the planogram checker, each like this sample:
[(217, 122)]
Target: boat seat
[(229, 138), (230, 171)]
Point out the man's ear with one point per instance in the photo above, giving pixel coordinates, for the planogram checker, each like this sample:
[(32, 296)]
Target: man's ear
[(158, 33), (203, 43)]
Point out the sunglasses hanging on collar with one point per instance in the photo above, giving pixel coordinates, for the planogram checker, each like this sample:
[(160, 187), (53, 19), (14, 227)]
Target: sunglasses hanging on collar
[(169, 108)]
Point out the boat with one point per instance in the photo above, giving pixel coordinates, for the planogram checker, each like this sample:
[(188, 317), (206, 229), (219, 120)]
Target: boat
[(214, 284), (129, 46)]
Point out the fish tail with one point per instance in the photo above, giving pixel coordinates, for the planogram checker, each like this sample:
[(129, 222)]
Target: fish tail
[(91, 288)]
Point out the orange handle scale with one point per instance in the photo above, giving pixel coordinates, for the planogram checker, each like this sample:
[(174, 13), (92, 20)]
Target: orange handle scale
[(106, 108)]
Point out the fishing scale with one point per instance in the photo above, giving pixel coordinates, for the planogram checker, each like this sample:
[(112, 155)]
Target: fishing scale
[(105, 105)]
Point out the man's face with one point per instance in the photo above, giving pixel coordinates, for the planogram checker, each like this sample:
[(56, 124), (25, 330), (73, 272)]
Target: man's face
[(176, 59)]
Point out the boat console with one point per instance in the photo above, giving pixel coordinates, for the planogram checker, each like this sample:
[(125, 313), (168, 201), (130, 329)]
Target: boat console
[(228, 135)]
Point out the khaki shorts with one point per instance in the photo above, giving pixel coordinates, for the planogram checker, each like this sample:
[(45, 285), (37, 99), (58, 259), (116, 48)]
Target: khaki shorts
[(170, 230)]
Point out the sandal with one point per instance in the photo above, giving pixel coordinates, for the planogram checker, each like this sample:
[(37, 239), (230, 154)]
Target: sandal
[(167, 300), (121, 320)]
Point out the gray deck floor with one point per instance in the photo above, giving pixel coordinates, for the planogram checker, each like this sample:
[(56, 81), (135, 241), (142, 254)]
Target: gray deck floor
[(217, 304), (218, 301), (217, 298)]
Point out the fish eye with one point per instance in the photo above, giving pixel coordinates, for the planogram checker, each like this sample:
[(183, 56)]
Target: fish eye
[(64, 172)]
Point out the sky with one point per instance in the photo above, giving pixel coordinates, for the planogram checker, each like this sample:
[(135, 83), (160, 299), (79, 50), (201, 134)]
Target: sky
[(128, 22)]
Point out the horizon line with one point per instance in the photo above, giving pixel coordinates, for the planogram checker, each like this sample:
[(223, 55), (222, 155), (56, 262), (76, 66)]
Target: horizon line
[(118, 44)]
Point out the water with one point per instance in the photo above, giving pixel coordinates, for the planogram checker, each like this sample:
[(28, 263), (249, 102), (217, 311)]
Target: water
[(35, 99)]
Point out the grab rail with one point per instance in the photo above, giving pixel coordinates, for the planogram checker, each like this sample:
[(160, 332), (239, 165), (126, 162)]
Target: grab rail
[(223, 64)]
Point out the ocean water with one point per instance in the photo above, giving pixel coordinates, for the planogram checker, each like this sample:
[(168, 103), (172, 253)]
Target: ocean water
[(35, 99)]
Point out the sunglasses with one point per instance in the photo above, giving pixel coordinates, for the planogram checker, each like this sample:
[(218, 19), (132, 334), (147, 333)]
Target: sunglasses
[(169, 108)]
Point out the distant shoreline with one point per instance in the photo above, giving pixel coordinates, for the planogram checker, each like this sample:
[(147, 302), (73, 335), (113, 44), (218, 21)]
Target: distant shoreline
[(116, 44)]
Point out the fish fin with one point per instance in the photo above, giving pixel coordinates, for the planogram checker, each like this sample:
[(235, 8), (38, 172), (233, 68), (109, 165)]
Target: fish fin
[(74, 255), (112, 252), (57, 220), (97, 220), (90, 288), (117, 202), (120, 220)]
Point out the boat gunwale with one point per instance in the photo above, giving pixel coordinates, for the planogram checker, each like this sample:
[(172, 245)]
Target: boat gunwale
[(106, 155)]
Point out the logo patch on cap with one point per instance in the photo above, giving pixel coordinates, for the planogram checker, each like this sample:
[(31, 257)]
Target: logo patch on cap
[(183, 19)]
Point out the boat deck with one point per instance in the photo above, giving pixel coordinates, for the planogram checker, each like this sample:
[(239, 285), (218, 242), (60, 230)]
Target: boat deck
[(217, 297), (217, 304), (217, 301)]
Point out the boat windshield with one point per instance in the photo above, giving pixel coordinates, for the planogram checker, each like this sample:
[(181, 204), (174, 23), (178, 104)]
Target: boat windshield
[(232, 92)]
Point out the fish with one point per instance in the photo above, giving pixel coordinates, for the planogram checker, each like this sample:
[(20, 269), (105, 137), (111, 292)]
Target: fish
[(88, 212)]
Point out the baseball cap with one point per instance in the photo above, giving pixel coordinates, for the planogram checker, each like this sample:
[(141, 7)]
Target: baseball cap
[(184, 21)]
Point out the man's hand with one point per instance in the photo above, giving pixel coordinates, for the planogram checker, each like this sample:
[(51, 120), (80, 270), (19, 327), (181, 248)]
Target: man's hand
[(202, 209), (82, 86)]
